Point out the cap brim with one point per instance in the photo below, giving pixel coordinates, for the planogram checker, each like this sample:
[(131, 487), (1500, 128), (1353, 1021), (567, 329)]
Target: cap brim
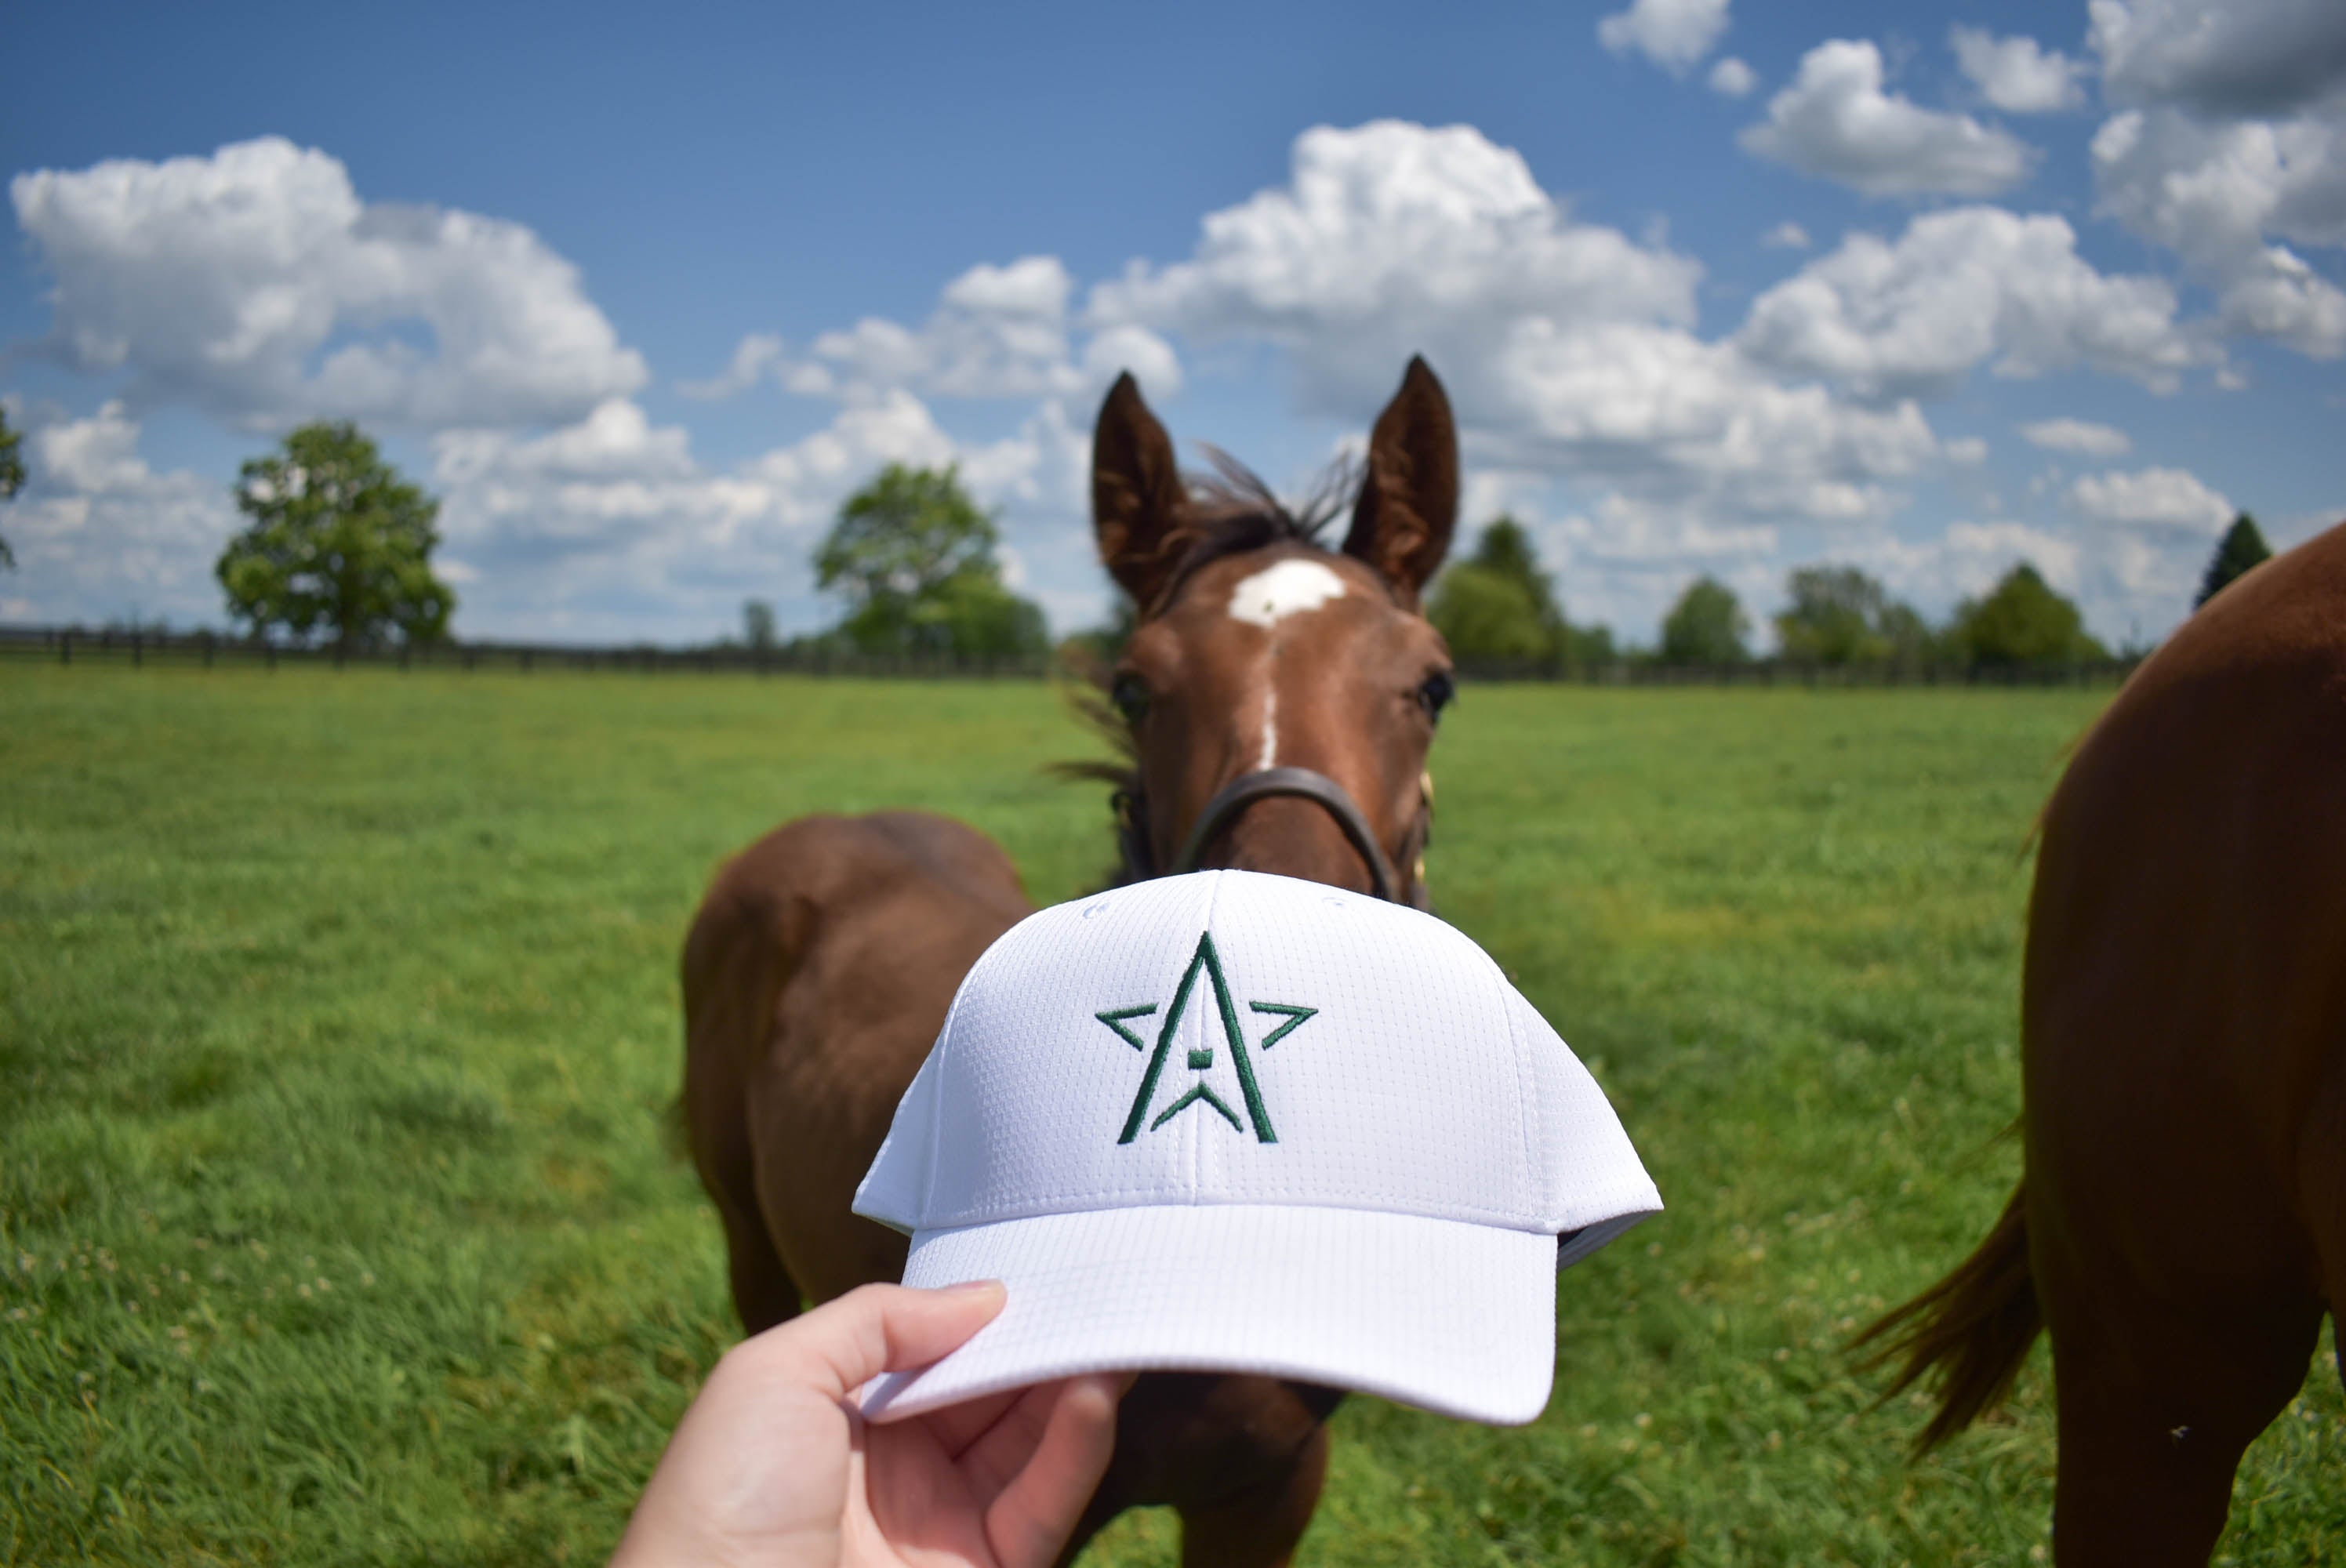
[(1456, 1318)]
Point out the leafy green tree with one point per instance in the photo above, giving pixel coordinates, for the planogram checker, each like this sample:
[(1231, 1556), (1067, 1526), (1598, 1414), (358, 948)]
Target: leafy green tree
[(914, 557), (1487, 618), (973, 615), (1907, 636), (1506, 550), (902, 535), (12, 477), (1498, 605), (758, 625), (1706, 627), (339, 542), (1839, 615), (2242, 547), (1833, 617), (1586, 647), (2021, 621)]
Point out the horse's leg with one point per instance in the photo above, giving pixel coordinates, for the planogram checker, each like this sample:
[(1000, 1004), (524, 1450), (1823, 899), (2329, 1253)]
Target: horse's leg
[(738, 957), (764, 1294), (1260, 1526), (2157, 1403), (763, 1288)]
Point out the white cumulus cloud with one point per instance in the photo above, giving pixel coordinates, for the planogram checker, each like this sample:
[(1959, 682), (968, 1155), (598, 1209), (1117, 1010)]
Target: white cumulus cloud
[(1631, 533), (2232, 151), (2158, 498), (1968, 558), (93, 457), (255, 284), (2240, 58), (1731, 78), (1980, 553), (1787, 236), (614, 522), (753, 357), (1567, 347), (2083, 437), (997, 332), (1671, 417), (1673, 34), (99, 534), (1113, 350), (1836, 122), (2218, 193), (2017, 74), (1968, 286), (1392, 238)]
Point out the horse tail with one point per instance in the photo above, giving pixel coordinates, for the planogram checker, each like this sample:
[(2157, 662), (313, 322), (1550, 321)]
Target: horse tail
[(1976, 1324)]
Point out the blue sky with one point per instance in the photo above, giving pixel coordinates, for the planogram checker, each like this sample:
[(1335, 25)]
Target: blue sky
[(1717, 289)]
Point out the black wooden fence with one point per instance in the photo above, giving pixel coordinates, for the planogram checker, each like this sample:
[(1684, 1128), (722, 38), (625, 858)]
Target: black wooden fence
[(80, 646), (72, 645)]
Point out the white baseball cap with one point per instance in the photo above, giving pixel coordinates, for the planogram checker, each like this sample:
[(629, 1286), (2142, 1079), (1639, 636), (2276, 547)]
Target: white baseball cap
[(1231, 1121)]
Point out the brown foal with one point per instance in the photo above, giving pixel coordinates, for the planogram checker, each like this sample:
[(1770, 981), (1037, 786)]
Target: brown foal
[(2180, 1225), (826, 955)]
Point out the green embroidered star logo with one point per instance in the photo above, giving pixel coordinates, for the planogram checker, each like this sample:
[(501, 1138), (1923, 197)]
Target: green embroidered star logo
[(1208, 962)]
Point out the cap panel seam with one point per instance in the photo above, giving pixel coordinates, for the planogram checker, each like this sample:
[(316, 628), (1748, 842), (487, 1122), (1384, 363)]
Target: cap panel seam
[(1100, 1199), (1527, 1103), (936, 1097)]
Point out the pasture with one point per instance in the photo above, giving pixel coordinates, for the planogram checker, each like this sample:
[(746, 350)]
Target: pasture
[(338, 1020)]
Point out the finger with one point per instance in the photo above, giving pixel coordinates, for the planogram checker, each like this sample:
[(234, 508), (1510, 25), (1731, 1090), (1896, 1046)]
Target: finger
[(957, 1427), (1031, 1520), (992, 1453), (992, 1459), (842, 1344)]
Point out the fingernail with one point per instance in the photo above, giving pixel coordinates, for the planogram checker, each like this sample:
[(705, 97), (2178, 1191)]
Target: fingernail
[(972, 1284)]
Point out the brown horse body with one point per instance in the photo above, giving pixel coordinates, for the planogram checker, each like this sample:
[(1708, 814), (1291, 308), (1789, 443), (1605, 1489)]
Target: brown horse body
[(824, 957), (2181, 1226)]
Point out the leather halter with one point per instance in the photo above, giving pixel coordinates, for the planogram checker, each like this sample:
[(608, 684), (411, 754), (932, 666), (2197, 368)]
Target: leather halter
[(1302, 783)]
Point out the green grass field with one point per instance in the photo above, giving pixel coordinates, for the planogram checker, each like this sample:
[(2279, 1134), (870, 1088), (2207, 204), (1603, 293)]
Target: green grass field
[(337, 1018)]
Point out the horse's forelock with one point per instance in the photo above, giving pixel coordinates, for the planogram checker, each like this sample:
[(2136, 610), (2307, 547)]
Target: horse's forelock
[(1231, 512)]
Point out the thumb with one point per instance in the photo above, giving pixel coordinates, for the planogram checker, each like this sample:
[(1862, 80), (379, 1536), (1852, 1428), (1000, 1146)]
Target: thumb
[(842, 1344)]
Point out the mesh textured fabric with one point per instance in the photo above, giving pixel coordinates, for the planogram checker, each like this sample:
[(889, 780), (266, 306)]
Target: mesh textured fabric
[(1456, 1318), (1225, 1061)]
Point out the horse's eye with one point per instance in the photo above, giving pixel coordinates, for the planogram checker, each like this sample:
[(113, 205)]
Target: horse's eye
[(1435, 693), (1130, 694)]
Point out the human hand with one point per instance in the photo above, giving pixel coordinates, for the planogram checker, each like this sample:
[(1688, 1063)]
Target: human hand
[(773, 1467)]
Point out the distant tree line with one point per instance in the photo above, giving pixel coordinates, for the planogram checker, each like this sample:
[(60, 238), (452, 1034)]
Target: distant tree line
[(1498, 607), (338, 546)]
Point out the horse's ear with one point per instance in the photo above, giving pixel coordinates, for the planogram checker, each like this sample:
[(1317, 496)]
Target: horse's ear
[(1136, 494), (1409, 498)]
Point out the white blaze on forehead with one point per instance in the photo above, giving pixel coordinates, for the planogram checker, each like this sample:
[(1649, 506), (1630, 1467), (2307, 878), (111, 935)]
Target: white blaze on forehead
[(1284, 588)]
